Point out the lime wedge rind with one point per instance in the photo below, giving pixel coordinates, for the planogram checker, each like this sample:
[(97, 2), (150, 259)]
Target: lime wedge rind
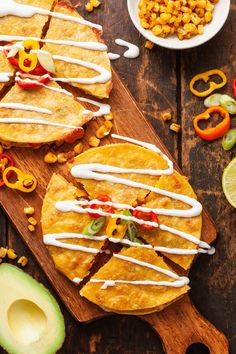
[(229, 182)]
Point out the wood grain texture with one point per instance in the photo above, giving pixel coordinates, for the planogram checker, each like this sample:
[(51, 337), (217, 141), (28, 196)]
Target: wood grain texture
[(152, 80)]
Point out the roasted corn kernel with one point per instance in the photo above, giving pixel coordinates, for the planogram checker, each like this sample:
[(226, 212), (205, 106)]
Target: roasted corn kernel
[(11, 254), (78, 148), (109, 116), (32, 221), (175, 127), (165, 17), (61, 158), (31, 228), (3, 252), (29, 211), (23, 261), (149, 45), (93, 141), (50, 158), (166, 116)]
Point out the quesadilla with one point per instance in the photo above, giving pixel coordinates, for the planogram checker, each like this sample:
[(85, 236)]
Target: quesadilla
[(62, 117), (71, 31), (128, 297), (74, 264), (27, 27)]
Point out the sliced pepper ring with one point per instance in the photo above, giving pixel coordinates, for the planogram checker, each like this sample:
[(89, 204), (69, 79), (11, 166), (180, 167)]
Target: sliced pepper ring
[(212, 85), (105, 208), (146, 216), (11, 163), (25, 182), (215, 132)]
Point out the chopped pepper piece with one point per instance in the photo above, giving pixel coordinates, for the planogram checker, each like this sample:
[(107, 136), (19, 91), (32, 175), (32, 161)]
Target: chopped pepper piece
[(5, 161), (228, 103), (215, 132), (116, 227), (212, 85), (105, 208), (146, 216), (32, 81), (25, 182)]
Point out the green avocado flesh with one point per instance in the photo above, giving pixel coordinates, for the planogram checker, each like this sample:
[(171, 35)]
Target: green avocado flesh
[(30, 319)]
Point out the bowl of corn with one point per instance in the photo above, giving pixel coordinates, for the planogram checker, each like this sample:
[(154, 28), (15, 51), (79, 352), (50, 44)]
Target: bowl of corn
[(178, 24)]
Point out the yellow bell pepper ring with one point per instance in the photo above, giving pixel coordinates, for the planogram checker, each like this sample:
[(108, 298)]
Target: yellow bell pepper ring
[(212, 85), (115, 228), (28, 61), (25, 182)]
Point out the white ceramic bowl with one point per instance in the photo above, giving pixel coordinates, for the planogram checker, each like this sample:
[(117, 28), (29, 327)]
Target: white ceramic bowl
[(220, 15)]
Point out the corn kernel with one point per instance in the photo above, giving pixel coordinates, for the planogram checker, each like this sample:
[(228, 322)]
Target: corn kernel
[(102, 132), (93, 141), (166, 116), (165, 16), (32, 221), (95, 3), (50, 158), (23, 261), (31, 228), (149, 45), (109, 116), (61, 158), (29, 211), (78, 148), (3, 252), (157, 30), (175, 127), (201, 3), (89, 7), (11, 254), (208, 16), (200, 29)]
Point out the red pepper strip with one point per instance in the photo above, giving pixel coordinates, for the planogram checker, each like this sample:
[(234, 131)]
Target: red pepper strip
[(10, 163), (105, 208), (234, 86), (73, 136), (147, 216), (217, 131), (37, 81)]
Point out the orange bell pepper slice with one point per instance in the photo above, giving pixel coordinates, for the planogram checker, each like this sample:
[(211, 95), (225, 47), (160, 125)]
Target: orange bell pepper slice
[(212, 85), (215, 132)]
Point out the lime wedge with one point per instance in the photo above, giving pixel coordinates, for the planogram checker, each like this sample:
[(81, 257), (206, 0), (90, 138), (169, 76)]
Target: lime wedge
[(229, 182)]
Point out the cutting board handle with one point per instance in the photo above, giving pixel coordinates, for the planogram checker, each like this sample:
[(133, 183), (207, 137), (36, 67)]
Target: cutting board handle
[(181, 325)]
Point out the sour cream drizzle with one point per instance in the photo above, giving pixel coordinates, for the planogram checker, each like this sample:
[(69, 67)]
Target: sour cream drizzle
[(36, 121), (10, 7), (103, 107), (5, 77), (113, 56), (24, 107), (133, 50), (180, 281), (53, 240)]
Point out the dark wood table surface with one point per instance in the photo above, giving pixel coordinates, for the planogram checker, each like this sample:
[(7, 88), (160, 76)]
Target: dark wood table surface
[(159, 80)]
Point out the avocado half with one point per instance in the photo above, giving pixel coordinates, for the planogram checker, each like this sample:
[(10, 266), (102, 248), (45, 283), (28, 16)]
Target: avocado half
[(31, 321)]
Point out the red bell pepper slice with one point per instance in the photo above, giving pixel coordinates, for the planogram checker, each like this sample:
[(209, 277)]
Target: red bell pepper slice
[(146, 216), (10, 163), (105, 208), (234, 86)]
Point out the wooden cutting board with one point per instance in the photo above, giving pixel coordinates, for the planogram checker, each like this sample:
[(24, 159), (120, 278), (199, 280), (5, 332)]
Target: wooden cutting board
[(180, 324)]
